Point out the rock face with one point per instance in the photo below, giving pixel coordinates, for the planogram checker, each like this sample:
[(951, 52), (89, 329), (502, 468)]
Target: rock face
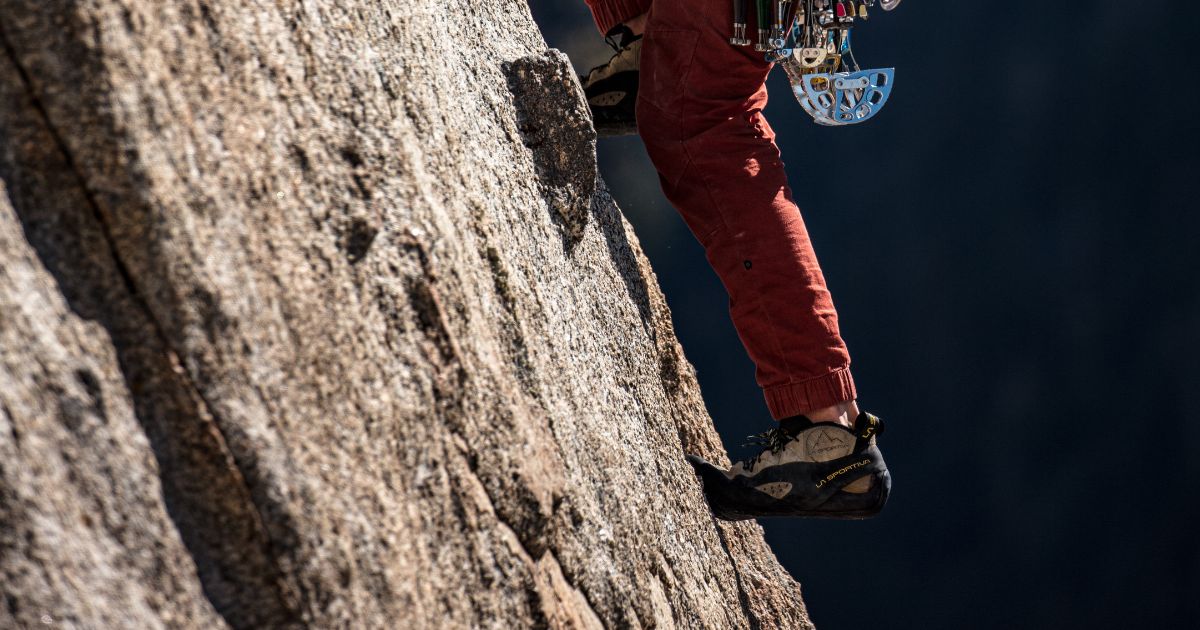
[(315, 314)]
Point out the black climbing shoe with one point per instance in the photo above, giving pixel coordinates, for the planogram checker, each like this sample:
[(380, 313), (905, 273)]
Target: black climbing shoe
[(612, 88), (809, 469)]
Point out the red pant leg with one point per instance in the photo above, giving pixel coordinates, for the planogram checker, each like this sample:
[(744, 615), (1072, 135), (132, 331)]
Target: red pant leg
[(700, 114), (609, 13)]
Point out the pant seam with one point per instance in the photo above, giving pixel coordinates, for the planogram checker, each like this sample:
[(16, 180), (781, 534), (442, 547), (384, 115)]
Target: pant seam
[(741, 254)]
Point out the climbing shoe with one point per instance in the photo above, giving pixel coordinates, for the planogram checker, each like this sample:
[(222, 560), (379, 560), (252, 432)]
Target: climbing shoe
[(611, 88), (822, 470)]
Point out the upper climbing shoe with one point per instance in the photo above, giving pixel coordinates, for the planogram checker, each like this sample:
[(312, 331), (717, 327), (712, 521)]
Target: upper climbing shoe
[(822, 470), (611, 88)]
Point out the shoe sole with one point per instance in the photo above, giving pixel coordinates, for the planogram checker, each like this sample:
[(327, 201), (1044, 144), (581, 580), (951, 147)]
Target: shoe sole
[(616, 130), (721, 492)]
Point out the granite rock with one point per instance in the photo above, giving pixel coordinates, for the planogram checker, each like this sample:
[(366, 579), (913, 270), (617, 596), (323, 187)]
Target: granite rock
[(317, 314)]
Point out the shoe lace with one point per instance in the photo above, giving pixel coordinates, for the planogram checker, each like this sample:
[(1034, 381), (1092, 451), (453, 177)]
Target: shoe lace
[(614, 41), (773, 441), (620, 37)]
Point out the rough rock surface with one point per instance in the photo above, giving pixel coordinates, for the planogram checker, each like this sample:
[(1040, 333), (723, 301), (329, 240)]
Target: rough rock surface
[(316, 314)]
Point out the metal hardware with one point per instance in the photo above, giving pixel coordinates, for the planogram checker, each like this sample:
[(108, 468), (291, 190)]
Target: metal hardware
[(739, 24), (811, 40)]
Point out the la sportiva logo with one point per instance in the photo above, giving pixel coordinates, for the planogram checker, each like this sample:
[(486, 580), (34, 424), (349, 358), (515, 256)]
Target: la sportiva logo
[(842, 471)]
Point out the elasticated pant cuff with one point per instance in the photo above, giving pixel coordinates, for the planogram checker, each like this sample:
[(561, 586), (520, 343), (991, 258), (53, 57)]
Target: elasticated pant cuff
[(795, 399), (609, 13)]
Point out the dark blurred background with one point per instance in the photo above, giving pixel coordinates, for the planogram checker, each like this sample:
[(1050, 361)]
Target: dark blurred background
[(1012, 245)]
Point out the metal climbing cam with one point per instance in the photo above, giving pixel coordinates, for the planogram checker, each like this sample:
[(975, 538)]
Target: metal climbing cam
[(811, 40)]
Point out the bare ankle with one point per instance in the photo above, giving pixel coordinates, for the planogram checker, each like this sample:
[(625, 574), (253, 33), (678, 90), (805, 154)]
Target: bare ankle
[(843, 413)]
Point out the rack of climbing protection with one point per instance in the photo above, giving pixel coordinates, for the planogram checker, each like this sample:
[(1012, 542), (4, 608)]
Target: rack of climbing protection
[(811, 40)]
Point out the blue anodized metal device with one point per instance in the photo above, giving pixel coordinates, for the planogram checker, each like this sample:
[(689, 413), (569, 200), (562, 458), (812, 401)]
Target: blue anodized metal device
[(814, 50)]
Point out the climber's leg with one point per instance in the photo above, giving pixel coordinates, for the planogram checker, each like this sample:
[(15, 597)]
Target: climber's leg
[(700, 115)]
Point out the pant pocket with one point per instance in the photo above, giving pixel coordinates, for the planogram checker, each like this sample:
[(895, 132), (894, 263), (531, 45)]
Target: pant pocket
[(665, 63), (667, 58)]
